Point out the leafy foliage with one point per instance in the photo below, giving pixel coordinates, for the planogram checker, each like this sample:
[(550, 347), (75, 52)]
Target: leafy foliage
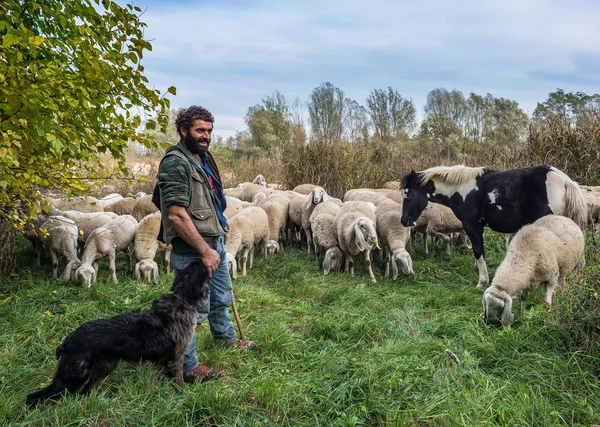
[(71, 88)]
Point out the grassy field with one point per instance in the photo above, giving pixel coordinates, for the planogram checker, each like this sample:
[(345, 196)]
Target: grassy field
[(334, 350)]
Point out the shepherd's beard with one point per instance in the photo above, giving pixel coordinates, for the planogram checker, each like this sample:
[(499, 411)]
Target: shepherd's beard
[(193, 145)]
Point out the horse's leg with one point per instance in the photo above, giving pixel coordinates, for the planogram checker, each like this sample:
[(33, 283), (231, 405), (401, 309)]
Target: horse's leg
[(475, 233)]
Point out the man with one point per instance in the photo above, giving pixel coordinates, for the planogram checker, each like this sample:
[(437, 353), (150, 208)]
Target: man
[(192, 203)]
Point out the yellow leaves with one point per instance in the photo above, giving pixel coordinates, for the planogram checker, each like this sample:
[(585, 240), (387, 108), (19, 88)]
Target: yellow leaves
[(127, 301), (5, 300), (48, 313), (3, 152)]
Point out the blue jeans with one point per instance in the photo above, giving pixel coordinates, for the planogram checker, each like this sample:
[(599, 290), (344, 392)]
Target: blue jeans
[(217, 310)]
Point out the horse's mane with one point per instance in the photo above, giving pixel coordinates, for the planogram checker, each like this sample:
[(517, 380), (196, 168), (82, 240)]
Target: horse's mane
[(451, 175)]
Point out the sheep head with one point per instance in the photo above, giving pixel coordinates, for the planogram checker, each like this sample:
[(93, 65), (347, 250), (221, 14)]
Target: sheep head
[(365, 235), (86, 275), (146, 269), (497, 307), (272, 247), (333, 259), (401, 258), (316, 196)]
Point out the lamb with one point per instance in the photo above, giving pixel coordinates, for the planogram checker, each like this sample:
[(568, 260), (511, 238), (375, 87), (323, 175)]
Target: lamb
[(276, 206), (115, 235), (143, 207), (146, 246), (393, 237), (109, 199), (315, 197), (235, 193), (355, 227), (544, 251), (248, 228), (59, 235)]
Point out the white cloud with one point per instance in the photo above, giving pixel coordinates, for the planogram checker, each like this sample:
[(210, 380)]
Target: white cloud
[(228, 55)]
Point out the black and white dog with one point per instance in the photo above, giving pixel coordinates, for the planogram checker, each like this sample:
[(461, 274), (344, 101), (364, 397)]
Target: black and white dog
[(160, 335)]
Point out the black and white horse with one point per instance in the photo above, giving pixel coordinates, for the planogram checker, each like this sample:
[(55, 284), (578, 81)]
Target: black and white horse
[(502, 200)]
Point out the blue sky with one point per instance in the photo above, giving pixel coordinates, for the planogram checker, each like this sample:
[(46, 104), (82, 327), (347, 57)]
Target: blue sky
[(227, 55)]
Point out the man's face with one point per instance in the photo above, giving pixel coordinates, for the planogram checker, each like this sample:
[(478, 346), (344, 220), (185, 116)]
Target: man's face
[(197, 138)]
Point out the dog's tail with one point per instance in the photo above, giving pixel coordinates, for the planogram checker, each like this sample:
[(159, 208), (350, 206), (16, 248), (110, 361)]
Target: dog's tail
[(54, 390)]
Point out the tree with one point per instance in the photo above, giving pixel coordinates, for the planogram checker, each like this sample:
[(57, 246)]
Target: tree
[(444, 114), (392, 115), (71, 89), (568, 107), (356, 122), (270, 124), (326, 113)]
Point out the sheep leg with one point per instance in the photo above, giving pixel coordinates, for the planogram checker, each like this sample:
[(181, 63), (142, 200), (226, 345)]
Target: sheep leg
[(168, 260), (368, 262), (425, 240), (252, 257), (309, 239), (112, 256), (549, 291), (524, 294), (317, 255), (386, 258), (54, 257), (244, 259)]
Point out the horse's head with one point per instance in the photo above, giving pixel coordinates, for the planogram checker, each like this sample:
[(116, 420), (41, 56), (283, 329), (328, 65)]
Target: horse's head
[(415, 198)]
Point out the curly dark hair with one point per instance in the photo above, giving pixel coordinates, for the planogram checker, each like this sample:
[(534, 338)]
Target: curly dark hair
[(185, 118)]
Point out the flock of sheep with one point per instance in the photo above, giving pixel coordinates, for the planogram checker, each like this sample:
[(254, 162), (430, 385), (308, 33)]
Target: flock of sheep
[(268, 218)]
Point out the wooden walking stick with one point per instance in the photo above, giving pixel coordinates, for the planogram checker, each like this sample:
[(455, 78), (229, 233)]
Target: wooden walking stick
[(237, 317)]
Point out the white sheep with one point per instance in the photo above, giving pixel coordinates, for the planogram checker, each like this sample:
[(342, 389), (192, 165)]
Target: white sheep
[(304, 188), (315, 197), (249, 190), (393, 237), (544, 251), (59, 235), (81, 204), (146, 246), (233, 206), (249, 228), (364, 194), (355, 227), (276, 206), (143, 207), (122, 206), (115, 235), (297, 205), (260, 180), (438, 221), (87, 222), (325, 235)]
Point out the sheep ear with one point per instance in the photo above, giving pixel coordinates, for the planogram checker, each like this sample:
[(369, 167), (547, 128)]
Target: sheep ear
[(325, 196), (327, 265), (136, 272), (507, 312), (311, 198), (359, 238), (93, 275), (394, 267)]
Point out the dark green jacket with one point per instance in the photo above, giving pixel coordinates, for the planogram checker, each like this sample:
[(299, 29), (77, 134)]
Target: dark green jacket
[(183, 182)]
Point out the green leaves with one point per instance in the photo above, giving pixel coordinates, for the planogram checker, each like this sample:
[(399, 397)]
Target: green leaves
[(68, 69)]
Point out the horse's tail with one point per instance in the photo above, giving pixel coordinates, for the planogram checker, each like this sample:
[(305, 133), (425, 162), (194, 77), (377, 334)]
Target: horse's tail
[(575, 205)]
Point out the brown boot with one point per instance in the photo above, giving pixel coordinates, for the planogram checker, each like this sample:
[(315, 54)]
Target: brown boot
[(200, 374)]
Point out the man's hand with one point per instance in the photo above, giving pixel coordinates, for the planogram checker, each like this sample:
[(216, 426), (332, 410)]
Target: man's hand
[(211, 260)]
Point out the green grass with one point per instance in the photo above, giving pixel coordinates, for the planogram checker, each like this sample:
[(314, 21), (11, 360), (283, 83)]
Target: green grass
[(334, 350)]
